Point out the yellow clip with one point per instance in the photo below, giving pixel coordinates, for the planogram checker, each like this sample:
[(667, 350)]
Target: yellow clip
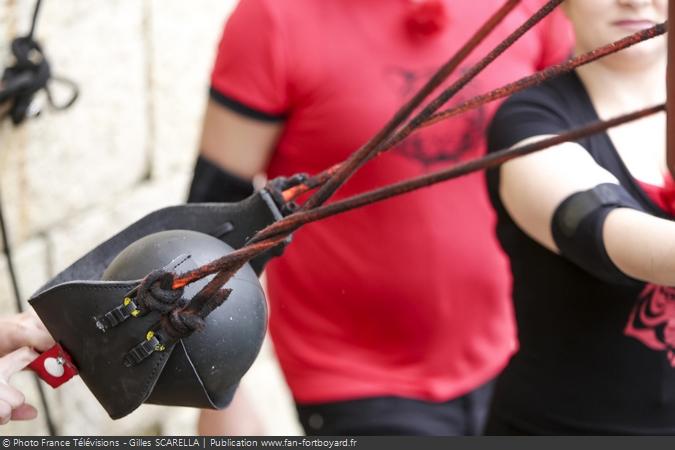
[(136, 311), (159, 347)]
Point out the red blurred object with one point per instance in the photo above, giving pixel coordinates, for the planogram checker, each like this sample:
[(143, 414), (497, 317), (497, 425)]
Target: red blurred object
[(426, 17), (55, 366), (663, 196)]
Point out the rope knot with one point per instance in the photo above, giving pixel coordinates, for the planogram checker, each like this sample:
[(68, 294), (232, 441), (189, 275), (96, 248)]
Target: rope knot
[(187, 317), (156, 293), (180, 323)]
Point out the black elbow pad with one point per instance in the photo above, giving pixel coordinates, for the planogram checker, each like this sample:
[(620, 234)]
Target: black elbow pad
[(577, 229), (213, 184)]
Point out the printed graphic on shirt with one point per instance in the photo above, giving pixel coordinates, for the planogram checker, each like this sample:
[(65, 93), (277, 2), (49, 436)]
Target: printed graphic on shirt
[(652, 320), (449, 141)]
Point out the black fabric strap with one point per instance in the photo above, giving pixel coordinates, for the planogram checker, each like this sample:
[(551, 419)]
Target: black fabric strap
[(240, 108), (116, 315), (142, 351), (212, 184), (577, 229)]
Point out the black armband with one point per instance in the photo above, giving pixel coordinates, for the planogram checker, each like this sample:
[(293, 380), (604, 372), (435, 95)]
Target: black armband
[(577, 229), (212, 184)]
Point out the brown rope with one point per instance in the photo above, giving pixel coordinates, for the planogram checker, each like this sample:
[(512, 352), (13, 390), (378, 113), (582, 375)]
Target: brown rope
[(275, 233), (369, 149), (546, 74), (327, 178), (502, 92), (332, 179), (670, 96), (379, 142), (229, 264)]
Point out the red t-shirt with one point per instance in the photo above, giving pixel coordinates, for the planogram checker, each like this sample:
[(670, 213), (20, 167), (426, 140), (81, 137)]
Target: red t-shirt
[(408, 297)]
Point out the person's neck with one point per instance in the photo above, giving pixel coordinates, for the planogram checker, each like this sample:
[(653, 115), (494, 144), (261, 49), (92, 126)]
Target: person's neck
[(617, 89)]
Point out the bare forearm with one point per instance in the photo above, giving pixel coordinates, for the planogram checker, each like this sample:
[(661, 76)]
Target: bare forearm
[(237, 143), (641, 245)]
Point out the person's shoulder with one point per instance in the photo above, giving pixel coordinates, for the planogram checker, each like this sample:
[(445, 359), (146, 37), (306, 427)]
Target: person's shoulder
[(283, 9), (549, 108), (289, 17), (558, 94)]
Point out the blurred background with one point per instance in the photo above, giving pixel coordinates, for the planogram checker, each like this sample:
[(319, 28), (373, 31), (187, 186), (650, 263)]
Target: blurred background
[(71, 179)]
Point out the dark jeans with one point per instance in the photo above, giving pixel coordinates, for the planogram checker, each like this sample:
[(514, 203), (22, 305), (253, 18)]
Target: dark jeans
[(381, 416)]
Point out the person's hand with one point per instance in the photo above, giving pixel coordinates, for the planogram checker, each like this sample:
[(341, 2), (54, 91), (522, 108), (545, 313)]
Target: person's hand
[(13, 404), (23, 330)]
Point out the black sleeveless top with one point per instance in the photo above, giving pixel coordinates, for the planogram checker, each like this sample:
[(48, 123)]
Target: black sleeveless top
[(594, 357)]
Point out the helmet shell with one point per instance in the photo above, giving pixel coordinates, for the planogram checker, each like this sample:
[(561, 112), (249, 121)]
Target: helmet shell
[(204, 368)]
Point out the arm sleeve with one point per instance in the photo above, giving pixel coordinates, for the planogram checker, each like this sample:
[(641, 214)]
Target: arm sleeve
[(531, 113), (250, 72)]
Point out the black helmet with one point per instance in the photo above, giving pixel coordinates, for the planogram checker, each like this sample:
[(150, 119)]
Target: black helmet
[(83, 308)]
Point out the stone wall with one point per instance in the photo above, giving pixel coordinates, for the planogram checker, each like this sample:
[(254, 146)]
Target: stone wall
[(69, 180)]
